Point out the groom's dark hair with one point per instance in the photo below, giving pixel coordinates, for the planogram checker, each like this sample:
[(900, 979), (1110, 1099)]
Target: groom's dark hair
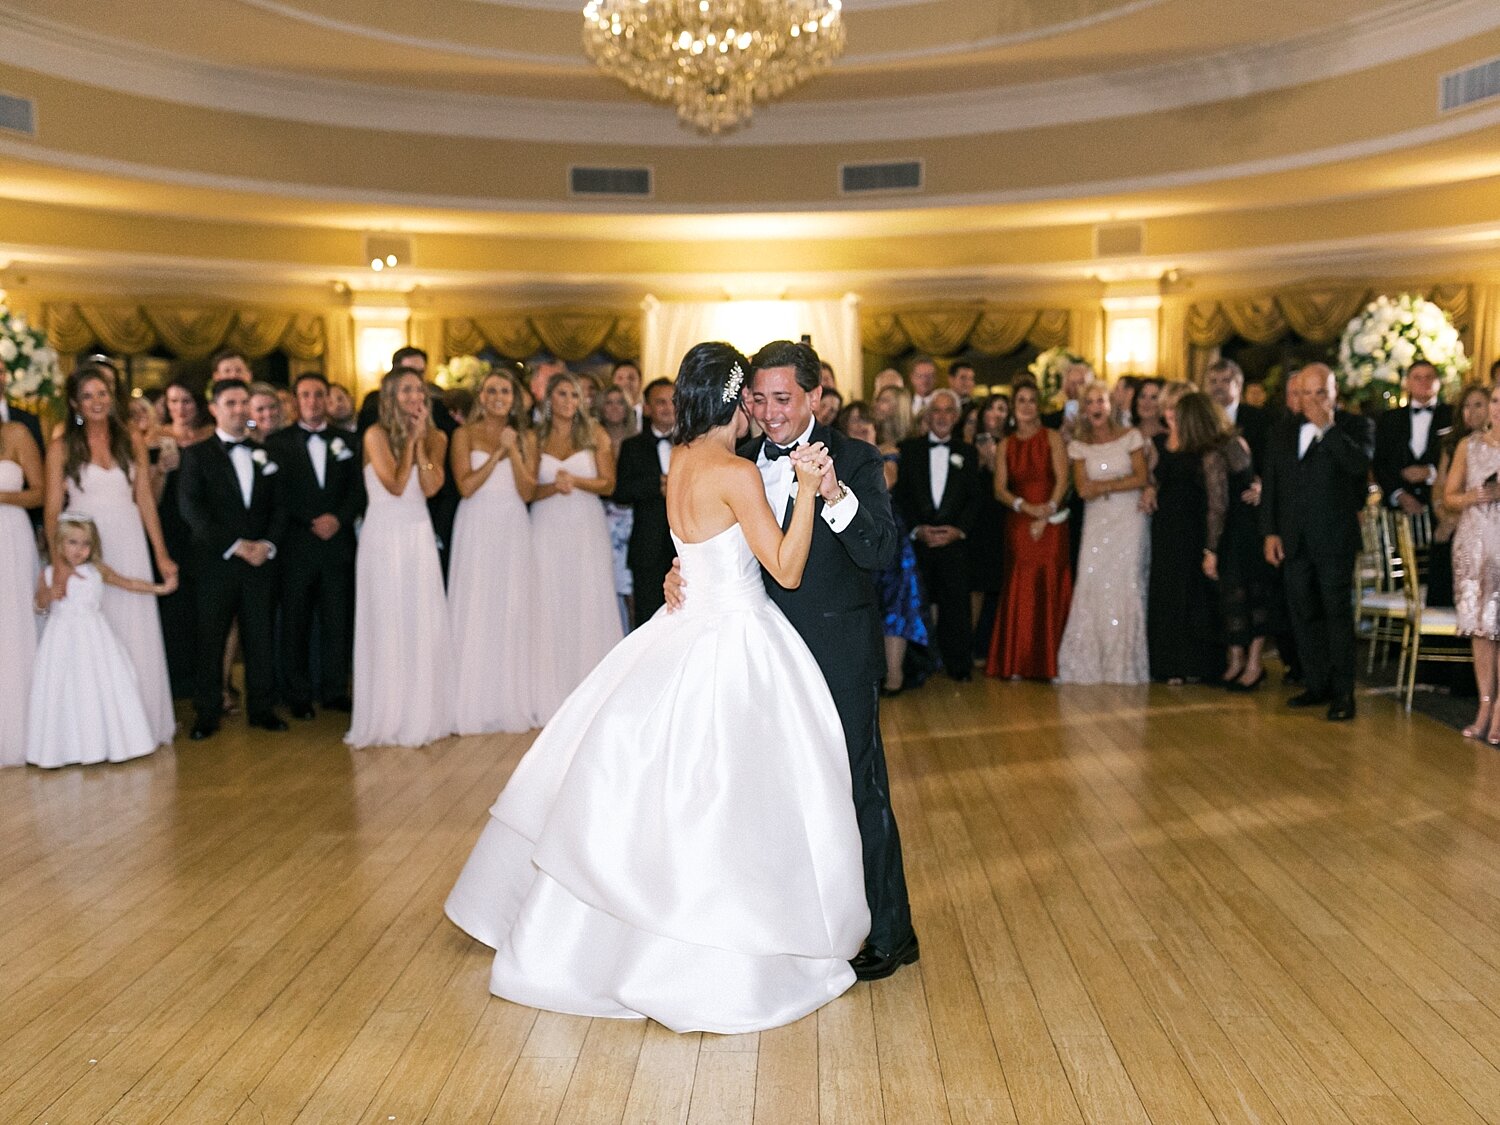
[(807, 367)]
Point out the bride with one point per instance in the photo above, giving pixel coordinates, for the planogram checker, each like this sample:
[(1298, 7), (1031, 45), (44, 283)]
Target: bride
[(680, 843)]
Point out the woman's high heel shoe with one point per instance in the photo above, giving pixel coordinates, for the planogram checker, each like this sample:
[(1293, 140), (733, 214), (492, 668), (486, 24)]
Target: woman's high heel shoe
[(1479, 726), (1242, 687)]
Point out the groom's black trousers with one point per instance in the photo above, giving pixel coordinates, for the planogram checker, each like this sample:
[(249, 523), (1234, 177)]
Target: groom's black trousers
[(858, 701)]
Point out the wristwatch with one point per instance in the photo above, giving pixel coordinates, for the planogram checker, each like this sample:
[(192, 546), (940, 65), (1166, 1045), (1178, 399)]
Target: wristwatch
[(841, 497)]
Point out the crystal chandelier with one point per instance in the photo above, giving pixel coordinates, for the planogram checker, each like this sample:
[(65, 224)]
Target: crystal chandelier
[(713, 59)]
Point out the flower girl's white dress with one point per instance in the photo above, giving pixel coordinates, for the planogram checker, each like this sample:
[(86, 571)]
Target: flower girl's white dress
[(680, 841), (86, 702)]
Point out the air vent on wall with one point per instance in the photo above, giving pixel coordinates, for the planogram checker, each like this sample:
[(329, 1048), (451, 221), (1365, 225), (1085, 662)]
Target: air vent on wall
[(905, 175), (610, 181), (17, 115), (1119, 240), (1476, 83)]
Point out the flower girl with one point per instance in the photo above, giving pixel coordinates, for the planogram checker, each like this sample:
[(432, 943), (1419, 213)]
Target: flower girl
[(86, 705)]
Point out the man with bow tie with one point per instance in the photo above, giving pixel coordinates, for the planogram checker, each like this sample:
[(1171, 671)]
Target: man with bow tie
[(1408, 440), (938, 492), (1317, 466), (228, 498), (321, 493), (641, 482)]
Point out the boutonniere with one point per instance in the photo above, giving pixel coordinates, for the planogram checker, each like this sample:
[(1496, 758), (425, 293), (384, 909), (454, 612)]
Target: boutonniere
[(267, 466), (258, 456), (956, 460), (339, 449)]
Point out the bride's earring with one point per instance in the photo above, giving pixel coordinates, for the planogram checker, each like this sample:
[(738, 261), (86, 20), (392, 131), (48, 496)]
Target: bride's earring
[(78, 419)]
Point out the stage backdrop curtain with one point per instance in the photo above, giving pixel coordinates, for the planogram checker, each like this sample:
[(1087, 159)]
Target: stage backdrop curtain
[(670, 328)]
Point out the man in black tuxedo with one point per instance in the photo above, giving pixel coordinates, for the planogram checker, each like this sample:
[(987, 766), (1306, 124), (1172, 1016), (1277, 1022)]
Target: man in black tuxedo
[(320, 492), (227, 495), (1317, 467), (1225, 383), (1407, 442), (442, 505), (938, 492), (836, 611), (641, 482)]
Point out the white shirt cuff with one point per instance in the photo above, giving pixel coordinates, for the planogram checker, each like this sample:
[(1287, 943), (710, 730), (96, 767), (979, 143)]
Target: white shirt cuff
[(233, 547), (841, 515)]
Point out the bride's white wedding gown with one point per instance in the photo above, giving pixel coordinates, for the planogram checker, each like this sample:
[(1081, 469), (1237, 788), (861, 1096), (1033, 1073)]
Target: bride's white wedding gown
[(680, 841)]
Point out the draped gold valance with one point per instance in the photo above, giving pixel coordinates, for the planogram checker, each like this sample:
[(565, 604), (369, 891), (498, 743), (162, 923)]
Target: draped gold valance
[(950, 328), (570, 334), (189, 332), (1319, 314)]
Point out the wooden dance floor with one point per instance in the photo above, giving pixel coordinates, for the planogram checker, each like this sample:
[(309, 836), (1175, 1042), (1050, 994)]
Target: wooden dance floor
[(1172, 905)]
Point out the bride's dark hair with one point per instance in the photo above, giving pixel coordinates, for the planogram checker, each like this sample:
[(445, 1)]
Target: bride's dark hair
[(706, 372)]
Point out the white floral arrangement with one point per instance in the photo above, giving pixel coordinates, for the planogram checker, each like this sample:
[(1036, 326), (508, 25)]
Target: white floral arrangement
[(1381, 343), (461, 371), (1049, 369), (32, 364)]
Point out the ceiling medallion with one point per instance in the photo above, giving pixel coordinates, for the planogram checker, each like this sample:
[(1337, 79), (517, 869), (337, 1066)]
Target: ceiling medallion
[(713, 59)]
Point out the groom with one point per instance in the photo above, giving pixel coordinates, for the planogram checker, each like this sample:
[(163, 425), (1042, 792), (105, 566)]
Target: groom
[(837, 613)]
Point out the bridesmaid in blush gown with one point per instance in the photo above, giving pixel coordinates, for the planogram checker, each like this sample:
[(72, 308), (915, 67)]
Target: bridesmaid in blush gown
[(403, 681), (1031, 478), (489, 577), (96, 469), (20, 489), (576, 620), (1470, 490)]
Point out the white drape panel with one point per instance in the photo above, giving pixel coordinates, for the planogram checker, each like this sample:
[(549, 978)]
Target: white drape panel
[(670, 328)]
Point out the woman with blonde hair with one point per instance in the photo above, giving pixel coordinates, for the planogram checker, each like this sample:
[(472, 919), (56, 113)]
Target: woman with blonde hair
[(576, 620), (402, 648), (489, 579), (892, 413)]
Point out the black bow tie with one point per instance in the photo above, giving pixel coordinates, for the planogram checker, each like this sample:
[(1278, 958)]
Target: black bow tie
[(308, 435), (934, 443), (775, 452), (243, 443), (663, 438), (1421, 410)]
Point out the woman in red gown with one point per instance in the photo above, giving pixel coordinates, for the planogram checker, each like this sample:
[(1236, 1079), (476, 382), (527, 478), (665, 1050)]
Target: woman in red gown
[(1031, 477)]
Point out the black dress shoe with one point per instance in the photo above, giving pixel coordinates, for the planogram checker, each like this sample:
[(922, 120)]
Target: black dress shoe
[(204, 728), (269, 721), (302, 711), (872, 964), (340, 703), (963, 677), (891, 692), (1309, 699), (1238, 685), (1341, 710)]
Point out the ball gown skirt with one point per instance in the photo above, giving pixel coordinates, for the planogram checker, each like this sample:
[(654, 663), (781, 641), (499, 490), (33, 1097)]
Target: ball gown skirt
[(403, 655), (577, 617), (1105, 639), (18, 570), (1038, 582), (680, 841), (489, 606), (108, 498), (86, 704)]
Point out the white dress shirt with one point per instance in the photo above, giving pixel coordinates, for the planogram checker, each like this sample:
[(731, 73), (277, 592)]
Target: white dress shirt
[(664, 449), (1232, 412), (1421, 425), (1306, 437), (778, 476), (937, 465), (243, 460), (317, 450)]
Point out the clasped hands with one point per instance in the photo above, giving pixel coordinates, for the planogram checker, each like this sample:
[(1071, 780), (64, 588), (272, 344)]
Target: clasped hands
[(813, 465), (937, 535), (253, 551)]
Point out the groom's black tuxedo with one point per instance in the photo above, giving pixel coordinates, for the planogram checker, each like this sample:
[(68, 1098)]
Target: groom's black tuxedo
[(211, 502), (836, 610), (317, 573)]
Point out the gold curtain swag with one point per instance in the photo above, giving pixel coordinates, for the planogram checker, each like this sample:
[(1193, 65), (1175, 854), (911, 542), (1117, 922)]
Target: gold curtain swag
[(948, 329), (189, 332), (570, 335), (1318, 315)]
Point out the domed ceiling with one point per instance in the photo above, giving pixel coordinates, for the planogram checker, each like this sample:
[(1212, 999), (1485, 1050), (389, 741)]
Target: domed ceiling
[(275, 134)]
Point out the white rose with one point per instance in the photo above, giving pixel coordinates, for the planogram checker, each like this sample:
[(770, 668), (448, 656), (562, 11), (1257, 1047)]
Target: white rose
[(21, 324), (1403, 351), (1366, 342), (7, 350)]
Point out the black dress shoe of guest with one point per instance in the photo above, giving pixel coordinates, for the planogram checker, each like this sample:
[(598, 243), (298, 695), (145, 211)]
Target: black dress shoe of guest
[(204, 728), (340, 703), (302, 711), (1309, 699), (1242, 686), (1341, 710), (872, 964), (269, 721), (891, 692)]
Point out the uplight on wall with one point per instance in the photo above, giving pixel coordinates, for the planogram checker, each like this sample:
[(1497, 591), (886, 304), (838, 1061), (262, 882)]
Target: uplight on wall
[(378, 332), (1131, 335)]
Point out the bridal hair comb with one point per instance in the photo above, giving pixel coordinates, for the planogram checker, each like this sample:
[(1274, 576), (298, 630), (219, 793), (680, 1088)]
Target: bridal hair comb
[(736, 381)]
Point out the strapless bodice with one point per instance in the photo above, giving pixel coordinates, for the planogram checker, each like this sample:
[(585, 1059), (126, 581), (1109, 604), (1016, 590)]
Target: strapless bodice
[(12, 479), (580, 463), (721, 573), (500, 485)]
